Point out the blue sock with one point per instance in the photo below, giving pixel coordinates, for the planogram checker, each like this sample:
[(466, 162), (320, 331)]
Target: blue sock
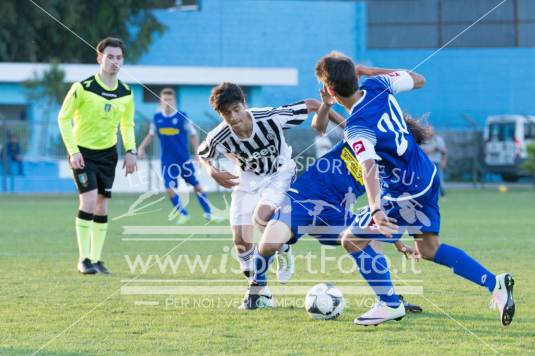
[(374, 269), (262, 264), (205, 204), (175, 200), (465, 266)]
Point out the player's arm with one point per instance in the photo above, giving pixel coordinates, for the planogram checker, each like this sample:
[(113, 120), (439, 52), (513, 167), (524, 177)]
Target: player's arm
[(193, 137), (325, 114), (290, 116), (361, 141), (129, 139), (409, 251), (70, 104), (194, 143), (146, 141), (207, 152), (387, 226), (418, 80), (444, 153)]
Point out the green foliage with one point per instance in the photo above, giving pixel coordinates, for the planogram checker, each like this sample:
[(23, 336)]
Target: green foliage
[(28, 34), (529, 164), (50, 85)]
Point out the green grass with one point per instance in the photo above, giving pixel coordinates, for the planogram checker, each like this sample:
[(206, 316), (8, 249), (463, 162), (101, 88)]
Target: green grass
[(41, 294)]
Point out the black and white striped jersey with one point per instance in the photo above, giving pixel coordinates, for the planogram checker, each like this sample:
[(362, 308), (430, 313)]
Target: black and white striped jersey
[(266, 149)]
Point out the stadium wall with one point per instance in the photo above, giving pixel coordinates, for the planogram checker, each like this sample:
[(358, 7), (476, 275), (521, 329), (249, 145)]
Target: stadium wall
[(294, 34), (258, 34), (466, 81)]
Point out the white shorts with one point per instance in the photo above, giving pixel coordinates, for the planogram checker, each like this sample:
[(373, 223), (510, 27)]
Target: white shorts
[(272, 192)]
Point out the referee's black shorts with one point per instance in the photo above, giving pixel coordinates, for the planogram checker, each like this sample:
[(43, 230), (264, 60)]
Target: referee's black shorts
[(99, 170)]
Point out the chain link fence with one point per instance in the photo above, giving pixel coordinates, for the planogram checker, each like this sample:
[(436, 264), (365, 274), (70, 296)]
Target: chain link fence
[(465, 147)]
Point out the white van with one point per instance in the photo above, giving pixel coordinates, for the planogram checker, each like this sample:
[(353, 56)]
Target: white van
[(506, 138)]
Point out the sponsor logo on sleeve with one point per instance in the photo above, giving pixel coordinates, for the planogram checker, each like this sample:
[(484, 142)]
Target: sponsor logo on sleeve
[(358, 147)]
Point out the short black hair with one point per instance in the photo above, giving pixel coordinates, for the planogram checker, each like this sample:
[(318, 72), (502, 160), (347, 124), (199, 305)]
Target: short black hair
[(110, 42), (168, 91), (224, 95), (337, 71)]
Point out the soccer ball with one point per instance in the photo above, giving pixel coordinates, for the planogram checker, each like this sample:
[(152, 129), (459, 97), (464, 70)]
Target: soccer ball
[(324, 302)]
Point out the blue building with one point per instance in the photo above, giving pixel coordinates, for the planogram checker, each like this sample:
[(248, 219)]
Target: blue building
[(477, 61)]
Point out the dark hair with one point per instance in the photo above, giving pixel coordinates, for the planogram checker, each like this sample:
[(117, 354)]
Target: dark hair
[(337, 71), (420, 133), (224, 95), (110, 42), (168, 91)]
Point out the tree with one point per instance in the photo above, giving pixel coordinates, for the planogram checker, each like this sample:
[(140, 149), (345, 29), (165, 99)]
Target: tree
[(529, 164), (28, 34), (48, 89)]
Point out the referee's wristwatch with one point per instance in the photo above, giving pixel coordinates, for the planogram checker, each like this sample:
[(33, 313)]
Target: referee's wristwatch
[(132, 152)]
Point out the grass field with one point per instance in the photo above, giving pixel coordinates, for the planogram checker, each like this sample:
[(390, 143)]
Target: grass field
[(45, 302)]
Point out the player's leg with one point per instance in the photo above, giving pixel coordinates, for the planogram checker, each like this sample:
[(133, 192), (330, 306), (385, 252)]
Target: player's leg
[(276, 235), (285, 259), (374, 268), (262, 215), (279, 231), (86, 182), (462, 264), (99, 232), (188, 174), (242, 237), (241, 211), (84, 225), (170, 174), (258, 295), (106, 164), (272, 197)]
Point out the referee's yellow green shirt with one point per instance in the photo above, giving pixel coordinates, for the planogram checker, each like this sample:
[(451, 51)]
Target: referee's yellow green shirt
[(91, 113)]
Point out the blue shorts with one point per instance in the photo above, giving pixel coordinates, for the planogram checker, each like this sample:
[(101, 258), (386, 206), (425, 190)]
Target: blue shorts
[(171, 171), (414, 216), (317, 218)]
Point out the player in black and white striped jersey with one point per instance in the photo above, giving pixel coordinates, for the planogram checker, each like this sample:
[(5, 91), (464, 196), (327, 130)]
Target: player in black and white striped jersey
[(254, 140), (265, 149)]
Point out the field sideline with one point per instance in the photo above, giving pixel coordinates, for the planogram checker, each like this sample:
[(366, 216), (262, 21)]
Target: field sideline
[(42, 294)]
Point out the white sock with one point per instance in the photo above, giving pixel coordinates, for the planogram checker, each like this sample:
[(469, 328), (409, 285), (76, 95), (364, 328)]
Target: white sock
[(246, 260)]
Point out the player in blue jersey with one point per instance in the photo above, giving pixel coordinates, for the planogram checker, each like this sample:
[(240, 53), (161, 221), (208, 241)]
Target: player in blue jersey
[(401, 183), (175, 131), (316, 204)]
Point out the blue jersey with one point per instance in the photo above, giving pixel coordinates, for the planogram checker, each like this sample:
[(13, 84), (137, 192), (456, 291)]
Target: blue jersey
[(377, 130), (173, 132), (334, 178)]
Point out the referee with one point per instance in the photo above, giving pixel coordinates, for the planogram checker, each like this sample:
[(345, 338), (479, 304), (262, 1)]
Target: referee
[(88, 122)]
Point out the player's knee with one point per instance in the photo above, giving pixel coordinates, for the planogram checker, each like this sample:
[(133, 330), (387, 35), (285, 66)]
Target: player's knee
[(262, 215), (88, 201), (266, 249), (351, 244), (101, 208), (427, 246), (347, 242), (427, 252), (170, 192)]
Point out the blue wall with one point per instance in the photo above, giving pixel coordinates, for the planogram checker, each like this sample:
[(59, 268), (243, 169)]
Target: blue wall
[(262, 33), (476, 82), (244, 33)]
